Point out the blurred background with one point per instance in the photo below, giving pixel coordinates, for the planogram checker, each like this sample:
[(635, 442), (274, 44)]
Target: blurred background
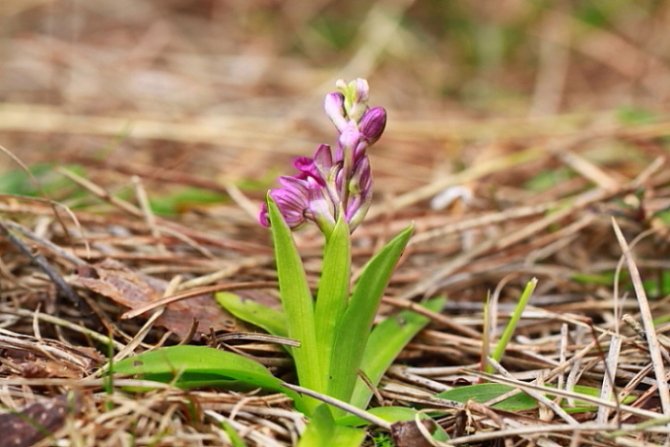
[(228, 90)]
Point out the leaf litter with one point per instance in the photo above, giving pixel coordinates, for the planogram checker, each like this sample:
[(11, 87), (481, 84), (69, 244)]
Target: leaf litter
[(496, 239), (579, 201)]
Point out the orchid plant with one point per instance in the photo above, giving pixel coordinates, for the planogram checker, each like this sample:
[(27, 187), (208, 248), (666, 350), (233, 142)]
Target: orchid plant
[(341, 357)]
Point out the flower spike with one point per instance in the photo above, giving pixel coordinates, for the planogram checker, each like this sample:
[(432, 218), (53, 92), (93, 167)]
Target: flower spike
[(334, 184)]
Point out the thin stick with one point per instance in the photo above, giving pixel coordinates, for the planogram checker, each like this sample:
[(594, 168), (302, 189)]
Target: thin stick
[(647, 321), (43, 264), (341, 405)]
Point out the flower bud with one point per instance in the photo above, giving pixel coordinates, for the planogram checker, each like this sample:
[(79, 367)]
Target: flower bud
[(334, 107), (322, 209), (359, 94), (323, 159), (373, 124), (362, 90), (349, 139)]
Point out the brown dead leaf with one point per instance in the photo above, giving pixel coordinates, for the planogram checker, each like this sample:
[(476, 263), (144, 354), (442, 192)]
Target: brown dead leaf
[(36, 421), (36, 365), (407, 434), (124, 286)]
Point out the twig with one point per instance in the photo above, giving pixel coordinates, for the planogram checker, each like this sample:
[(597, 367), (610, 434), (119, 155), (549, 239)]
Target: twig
[(42, 263), (341, 405), (647, 321)]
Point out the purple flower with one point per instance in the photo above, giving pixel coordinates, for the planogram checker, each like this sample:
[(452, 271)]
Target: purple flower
[(292, 200), (308, 169), (332, 186)]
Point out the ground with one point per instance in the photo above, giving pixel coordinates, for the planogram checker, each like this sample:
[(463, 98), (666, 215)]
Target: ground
[(524, 141)]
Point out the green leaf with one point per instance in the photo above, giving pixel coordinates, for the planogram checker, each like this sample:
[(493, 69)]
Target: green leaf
[(389, 414), (636, 115), (322, 430), (273, 321), (354, 328), (333, 295), (484, 392), (297, 304), (53, 183), (386, 341), (183, 199), (194, 366), (188, 358)]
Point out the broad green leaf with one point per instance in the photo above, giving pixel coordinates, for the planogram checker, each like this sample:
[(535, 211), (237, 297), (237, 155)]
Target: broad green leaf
[(322, 431), (197, 366), (273, 321), (333, 295), (200, 359), (297, 304), (386, 341), (354, 328), (484, 392)]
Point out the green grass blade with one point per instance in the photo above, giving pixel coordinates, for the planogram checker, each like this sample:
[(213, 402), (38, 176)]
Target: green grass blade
[(235, 439), (386, 341), (333, 295), (297, 303), (354, 327), (511, 325), (273, 321)]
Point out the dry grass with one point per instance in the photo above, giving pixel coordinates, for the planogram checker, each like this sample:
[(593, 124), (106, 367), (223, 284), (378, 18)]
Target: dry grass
[(181, 96)]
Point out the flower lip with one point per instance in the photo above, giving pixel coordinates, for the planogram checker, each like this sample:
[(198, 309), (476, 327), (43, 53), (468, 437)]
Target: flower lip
[(309, 169)]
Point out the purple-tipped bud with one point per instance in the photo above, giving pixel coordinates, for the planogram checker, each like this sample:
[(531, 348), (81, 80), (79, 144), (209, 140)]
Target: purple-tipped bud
[(322, 209), (360, 192), (362, 90), (323, 159), (373, 124), (361, 178), (334, 106), (263, 217)]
